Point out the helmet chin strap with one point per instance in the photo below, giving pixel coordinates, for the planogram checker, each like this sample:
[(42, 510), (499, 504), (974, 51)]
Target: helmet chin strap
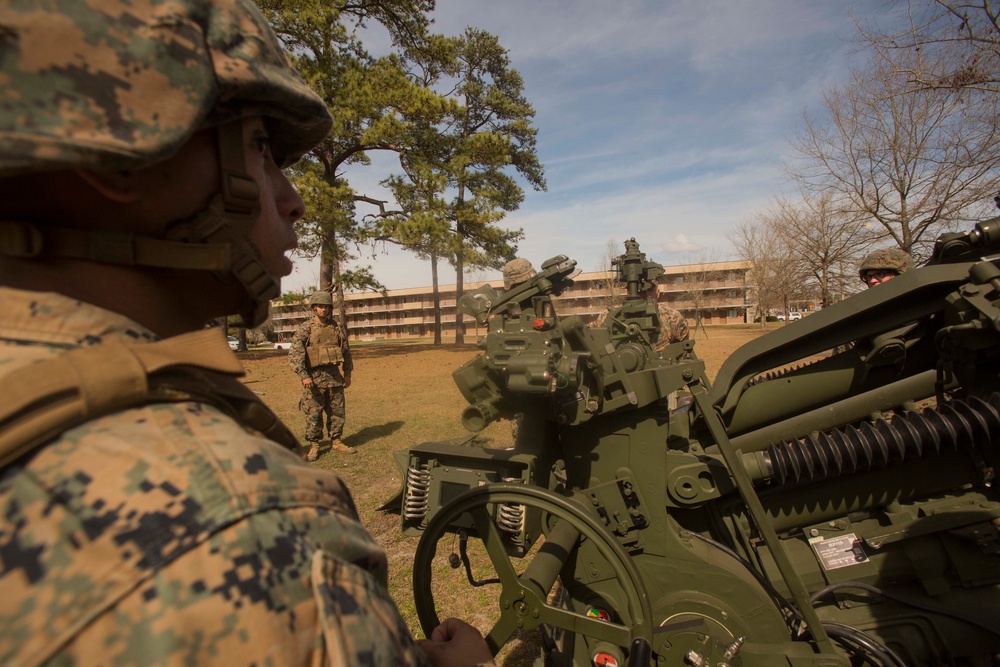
[(227, 220), (217, 239)]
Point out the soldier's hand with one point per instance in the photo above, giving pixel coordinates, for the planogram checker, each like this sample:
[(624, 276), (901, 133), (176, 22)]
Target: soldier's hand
[(347, 381), (455, 643), (307, 383)]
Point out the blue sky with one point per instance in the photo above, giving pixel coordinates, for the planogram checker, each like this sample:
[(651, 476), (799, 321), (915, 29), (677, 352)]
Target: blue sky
[(662, 120)]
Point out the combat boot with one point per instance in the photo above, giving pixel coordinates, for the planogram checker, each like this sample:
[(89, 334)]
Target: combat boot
[(313, 453), (337, 446)]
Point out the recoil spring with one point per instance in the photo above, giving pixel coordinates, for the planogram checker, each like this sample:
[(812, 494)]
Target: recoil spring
[(510, 516), (418, 482), (958, 425)]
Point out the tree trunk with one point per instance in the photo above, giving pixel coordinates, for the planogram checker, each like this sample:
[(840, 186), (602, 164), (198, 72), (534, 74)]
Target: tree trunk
[(437, 299), (459, 283), (329, 274)]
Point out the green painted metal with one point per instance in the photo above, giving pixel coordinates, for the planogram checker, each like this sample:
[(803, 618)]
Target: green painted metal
[(830, 500)]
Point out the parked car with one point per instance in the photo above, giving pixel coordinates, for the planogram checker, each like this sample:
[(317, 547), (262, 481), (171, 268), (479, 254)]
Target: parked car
[(283, 344), (234, 343), (794, 316)]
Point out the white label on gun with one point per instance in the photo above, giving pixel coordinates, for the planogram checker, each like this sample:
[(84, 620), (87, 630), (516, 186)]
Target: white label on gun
[(841, 551)]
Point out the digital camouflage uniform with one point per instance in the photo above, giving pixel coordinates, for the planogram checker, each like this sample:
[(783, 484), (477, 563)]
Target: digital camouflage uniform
[(673, 326), (326, 396), (170, 534)]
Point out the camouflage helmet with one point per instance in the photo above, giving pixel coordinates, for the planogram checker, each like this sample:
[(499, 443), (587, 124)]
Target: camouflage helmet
[(885, 259), (105, 84), (121, 85), (320, 298), (516, 271)]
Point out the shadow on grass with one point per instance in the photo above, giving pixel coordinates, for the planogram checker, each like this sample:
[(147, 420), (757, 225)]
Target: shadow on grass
[(371, 350), (397, 348), (372, 433)]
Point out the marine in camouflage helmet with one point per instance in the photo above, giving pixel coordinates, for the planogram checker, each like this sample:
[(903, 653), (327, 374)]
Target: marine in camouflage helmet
[(321, 356), (155, 515), (884, 264), (116, 86), (321, 298), (516, 271)]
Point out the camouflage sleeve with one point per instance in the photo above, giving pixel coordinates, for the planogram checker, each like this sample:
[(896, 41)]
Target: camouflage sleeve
[(346, 351), (205, 545), (296, 594), (673, 327), (297, 351), (599, 322)]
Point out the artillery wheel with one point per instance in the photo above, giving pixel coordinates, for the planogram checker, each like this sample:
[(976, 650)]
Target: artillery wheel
[(522, 602)]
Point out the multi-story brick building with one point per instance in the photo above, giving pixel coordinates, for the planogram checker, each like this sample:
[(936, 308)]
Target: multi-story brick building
[(715, 292)]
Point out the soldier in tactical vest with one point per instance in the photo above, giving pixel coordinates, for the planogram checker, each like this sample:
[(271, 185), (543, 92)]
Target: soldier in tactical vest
[(321, 357), (152, 510)]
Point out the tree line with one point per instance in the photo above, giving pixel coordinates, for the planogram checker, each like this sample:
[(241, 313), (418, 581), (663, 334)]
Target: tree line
[(452, 108), (906, 148)]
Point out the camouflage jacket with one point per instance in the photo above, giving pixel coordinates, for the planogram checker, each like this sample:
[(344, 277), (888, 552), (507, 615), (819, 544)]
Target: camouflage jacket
[(298, 356), (673, 326), (170, 534)]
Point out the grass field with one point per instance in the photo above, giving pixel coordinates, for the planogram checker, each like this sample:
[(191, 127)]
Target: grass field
[(403, 395)]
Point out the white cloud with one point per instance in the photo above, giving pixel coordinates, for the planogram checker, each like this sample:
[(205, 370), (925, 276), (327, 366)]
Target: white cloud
[(665, 121), (681, 244)]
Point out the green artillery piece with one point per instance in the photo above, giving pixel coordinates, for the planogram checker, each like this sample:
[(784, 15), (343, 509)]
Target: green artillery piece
[(809, 509)]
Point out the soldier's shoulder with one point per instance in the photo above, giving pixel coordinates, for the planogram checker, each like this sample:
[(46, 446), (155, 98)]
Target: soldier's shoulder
[(133, 497), (193, 448)]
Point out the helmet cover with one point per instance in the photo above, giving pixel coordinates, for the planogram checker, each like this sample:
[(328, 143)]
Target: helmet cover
[(516, 271), (106, 84), (321, 298), (886, 259)]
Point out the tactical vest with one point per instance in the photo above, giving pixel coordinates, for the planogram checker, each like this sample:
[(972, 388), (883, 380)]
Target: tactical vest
[(83, 384), (325, 346)]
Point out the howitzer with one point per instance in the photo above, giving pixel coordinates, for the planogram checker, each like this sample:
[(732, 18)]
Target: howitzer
[(829, 500)]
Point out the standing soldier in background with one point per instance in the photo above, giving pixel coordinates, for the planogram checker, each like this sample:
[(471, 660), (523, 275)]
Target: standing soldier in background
[(883, 265), (151, 511), (321, 357)]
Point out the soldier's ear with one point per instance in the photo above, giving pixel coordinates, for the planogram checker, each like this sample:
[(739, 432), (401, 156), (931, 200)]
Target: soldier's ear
[(123, 187)]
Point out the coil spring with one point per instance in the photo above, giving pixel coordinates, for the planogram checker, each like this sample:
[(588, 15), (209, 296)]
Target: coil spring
[(959, 424), (510, 516), (418, 482)]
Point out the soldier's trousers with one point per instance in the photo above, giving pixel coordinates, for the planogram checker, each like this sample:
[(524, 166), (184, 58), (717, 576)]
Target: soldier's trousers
[(318, 401)]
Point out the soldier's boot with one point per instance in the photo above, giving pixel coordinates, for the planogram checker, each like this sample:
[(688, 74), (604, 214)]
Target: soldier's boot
[(337, 446), (313, 452)]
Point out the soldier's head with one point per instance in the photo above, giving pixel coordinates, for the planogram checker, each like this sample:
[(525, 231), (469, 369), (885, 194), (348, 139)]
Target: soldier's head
[(883, 265), (149, 137), (321, 304), (516, 272)]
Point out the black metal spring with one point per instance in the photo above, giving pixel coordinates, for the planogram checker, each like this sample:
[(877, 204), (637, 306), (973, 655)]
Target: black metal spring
[(954, 426)]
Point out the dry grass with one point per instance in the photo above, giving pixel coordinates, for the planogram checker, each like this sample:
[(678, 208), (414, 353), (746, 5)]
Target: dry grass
[(403, 395)]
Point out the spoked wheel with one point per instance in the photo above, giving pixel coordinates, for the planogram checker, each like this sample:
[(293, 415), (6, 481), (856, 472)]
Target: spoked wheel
[(522, 602)]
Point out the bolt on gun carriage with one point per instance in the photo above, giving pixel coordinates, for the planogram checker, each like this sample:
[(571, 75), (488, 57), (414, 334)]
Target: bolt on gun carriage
[(796, 512)]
